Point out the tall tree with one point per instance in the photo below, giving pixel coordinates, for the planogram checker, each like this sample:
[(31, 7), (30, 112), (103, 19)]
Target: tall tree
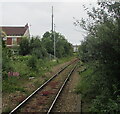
[(37, 48), (101, 51), (63, 47)]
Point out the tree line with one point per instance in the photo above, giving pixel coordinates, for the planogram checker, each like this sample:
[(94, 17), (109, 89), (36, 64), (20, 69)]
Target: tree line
[(41, 47), (34, 49), (100, 53)]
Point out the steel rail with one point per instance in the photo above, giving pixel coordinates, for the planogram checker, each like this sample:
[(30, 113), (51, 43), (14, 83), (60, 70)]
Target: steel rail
[(25, 100), (60, 90)]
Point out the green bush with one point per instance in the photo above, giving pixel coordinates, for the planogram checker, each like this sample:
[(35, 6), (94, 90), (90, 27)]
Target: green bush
[(32, 62), (10, 85), (37, 48), (6, 62), (105, 104), (101, 51), (21, 58), (24, 48)]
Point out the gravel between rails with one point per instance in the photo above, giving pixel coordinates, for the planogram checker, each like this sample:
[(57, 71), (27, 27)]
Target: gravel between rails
[(11, 100), (42, 100), (69, 101)]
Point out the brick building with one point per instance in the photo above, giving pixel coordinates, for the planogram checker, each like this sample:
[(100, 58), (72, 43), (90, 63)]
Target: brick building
[(14, 34)]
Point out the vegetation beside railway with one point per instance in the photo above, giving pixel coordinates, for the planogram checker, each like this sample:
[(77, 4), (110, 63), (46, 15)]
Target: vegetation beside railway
[(33, 57), (30, 61), (100, 55)]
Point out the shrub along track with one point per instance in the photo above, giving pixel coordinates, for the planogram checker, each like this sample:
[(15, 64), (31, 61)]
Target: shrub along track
[(41, 99), (11, 100)]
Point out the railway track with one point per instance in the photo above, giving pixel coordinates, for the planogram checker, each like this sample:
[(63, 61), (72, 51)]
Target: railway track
[(44, 98)]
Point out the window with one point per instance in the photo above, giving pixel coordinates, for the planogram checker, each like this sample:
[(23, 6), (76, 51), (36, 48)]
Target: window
[(14, 41)]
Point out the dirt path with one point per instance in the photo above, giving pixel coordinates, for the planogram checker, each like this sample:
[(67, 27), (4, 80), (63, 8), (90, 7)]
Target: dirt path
[(69, 101)]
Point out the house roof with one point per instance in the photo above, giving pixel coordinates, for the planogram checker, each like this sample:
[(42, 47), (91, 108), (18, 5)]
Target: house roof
[(14, 31)]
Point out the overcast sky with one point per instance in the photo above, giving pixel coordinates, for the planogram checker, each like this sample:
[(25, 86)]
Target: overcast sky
[(38, 15)]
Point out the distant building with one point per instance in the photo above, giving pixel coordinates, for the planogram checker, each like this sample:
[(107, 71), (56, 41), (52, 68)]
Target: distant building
[(75, 48), (14, 34)]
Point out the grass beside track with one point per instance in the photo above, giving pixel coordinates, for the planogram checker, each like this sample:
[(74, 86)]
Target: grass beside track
[(21, 85), (83, 88), (13, 84)]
